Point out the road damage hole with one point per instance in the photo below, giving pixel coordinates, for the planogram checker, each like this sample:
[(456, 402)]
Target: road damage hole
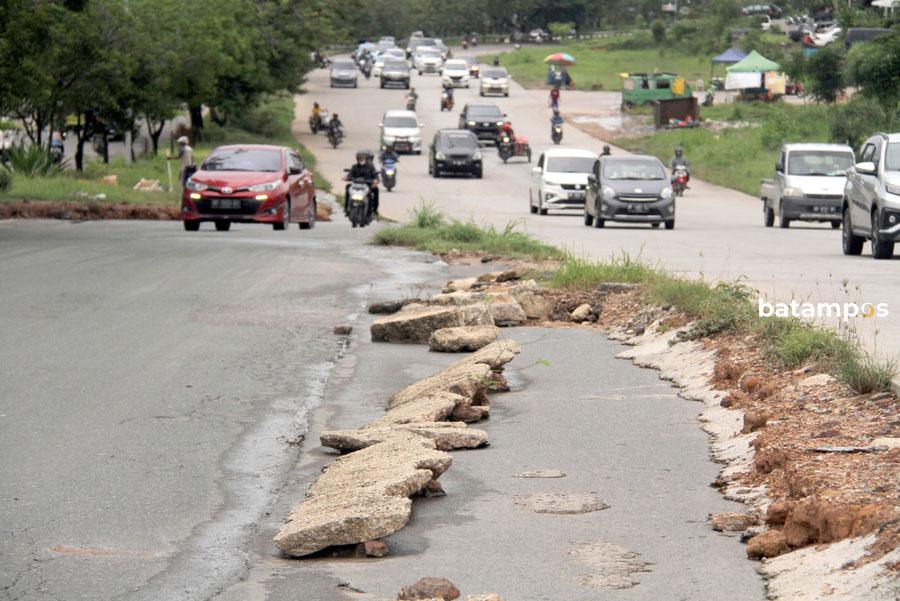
[(561, 503), (541, 474), (612, 566)]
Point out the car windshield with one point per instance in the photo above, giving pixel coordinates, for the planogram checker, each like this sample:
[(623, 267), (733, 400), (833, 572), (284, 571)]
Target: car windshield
[(394, 64), (633, 170), (570, 164), (819, 162), (243, 159), (459, 141), (495, 73), (344, 64), (429, 52), (395, 52), (400, 121), (484, 112), (892, 157), (455, 64)]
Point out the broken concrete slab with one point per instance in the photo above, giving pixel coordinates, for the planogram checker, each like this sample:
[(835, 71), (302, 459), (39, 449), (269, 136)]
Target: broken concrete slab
[(446, 435), (436, 407), (416, 324), (363, 496), (469, 380), (506, 310), (429, 588), (462, 339)]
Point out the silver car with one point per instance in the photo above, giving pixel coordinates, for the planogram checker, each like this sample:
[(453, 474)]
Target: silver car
[(343, 73), (631, 188), (871, 208)]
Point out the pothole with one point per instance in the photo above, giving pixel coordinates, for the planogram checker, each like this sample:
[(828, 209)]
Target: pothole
[(561, 503), (541, 474), (611, 566)]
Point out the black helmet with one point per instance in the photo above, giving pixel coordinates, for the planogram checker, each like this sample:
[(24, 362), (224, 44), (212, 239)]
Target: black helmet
[(360, 155), (606, 149), (679, 151)]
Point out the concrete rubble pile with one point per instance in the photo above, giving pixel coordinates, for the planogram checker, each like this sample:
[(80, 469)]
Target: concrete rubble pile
[(367, 493)]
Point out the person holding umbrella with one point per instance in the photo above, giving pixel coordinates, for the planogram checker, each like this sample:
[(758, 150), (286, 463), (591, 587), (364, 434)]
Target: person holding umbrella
[(558, 75)]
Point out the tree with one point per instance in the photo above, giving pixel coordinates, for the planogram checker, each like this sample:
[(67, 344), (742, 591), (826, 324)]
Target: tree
[(658, 30), (825, 71), (875, 67)]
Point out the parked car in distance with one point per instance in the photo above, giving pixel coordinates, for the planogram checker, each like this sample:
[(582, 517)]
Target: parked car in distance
[(772, 10), (402, 130), (474, 67), (494, 80), (415, 43), (395, 72), (632, 189), (455, 73), (454, 151), (250, 183), (343, 73), (387, 38), (484, 120), (871, 208), (427, 59), (808, 184), (560, 180), (538, 36)]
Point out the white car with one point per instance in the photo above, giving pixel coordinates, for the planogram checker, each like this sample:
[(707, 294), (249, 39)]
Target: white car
[(402, 130), (494, 80), (560, 180), (427, 59), (455, 73), (378, 66)]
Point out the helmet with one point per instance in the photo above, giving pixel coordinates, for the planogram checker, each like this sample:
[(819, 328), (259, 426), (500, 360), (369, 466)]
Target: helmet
[(679, 151), (360, 156), (182, 140), (316, 104), (606, 149), (555, 112)]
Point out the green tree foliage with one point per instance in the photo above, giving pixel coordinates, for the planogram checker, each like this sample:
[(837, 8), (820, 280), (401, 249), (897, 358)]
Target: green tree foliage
[(875, 68), (825, 72)]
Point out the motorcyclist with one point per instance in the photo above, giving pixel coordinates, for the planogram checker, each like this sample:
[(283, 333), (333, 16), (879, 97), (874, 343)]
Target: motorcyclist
[(411, 98), (448, 90), (679, 160), (365, 170), (507, 129), (334, 124), (317, 115), (606, 152), (388, 154), (556, 119)]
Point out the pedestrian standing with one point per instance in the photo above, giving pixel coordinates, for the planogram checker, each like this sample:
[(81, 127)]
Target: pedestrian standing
[(185, 156)]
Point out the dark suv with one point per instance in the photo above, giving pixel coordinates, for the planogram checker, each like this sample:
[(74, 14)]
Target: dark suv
[(484, 120), (454, 151)]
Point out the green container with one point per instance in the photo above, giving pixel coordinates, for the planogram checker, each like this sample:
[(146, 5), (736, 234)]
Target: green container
[(641, 88)]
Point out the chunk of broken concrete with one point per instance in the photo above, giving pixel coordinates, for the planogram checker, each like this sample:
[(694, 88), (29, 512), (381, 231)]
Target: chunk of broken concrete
[(436, 407), (581, 313), (416, 325), (429, 588), (372, 548), (363, 496), (462, 339), (816, 380), (460, 284), (732, 521), (768, 544), (506, 310), (446, 435), (467, 380)]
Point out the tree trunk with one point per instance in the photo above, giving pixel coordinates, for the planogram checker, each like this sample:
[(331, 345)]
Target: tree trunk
[(79, 147), (105, 138), (196, 112), (155, 132)]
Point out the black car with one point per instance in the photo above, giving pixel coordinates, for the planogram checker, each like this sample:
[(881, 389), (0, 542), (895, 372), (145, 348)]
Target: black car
[(484, 120), (454, 151), (395, 73)]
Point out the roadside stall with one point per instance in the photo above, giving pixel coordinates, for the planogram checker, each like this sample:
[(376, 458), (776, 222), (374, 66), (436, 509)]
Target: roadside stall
[(756, 78), (642, 88)]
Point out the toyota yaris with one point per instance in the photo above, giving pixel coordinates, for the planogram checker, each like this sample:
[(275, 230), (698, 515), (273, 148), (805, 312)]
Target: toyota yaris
[(250, 183)]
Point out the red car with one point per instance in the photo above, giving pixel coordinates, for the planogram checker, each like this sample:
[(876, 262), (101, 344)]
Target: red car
[(250, 183)]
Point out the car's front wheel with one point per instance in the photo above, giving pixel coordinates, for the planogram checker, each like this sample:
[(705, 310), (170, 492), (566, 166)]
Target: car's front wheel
[(783, 222), (881, 249), (851, 244), (311, 222), (670, 224), (191, 226), (588, 219), (768, 216)]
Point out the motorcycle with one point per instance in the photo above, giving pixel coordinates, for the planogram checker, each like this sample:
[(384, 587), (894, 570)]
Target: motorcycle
[(679, 180), (411, 103), (389, 174), (465, 44), (508, 148), (335, 136), (56, 153), (366, 68), (358, 201), (446, 101), (556, 134)]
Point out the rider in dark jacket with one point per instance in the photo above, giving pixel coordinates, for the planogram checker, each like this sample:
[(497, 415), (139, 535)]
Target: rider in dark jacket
[(365, 170)]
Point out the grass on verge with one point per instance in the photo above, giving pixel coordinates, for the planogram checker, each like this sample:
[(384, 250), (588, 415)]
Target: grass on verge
[(268, 123), (730, 307), (431, 231)]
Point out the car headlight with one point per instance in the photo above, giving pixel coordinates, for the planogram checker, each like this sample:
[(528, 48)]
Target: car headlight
[(471, 123), (892, 189), (388, 139), (476, 156), (666, 193), (551, 184), (792, 192), (608, 193), (195, 186), (440, 156), (266, 187)]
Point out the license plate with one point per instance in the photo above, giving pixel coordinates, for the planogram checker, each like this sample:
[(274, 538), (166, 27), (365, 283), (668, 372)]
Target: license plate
[(576, 195), (401, 145), (459, 162), (637, 209), (495, 89), (226, 203)]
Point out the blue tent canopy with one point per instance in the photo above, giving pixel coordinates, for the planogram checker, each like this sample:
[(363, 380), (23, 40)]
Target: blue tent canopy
[(730, 57)]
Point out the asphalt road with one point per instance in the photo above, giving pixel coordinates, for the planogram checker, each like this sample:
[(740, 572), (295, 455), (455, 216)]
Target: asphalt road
[(152, 383), (719, 232)]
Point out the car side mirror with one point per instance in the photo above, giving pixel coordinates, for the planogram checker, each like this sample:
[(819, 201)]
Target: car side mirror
[(866, 168), (592, 179), (295, 170), (779, 168)]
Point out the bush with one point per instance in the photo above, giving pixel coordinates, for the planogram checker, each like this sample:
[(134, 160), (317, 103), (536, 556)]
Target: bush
[(5, 181), (271, 118), (32, 161), (658, 31), (856, 120)]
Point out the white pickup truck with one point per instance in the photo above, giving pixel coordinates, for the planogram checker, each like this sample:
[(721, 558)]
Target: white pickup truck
[(808, 185)]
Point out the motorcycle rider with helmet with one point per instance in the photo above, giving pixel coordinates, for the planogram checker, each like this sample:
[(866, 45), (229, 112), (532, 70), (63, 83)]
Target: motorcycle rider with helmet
[(679, 160), (606, 151), (363, 169)]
